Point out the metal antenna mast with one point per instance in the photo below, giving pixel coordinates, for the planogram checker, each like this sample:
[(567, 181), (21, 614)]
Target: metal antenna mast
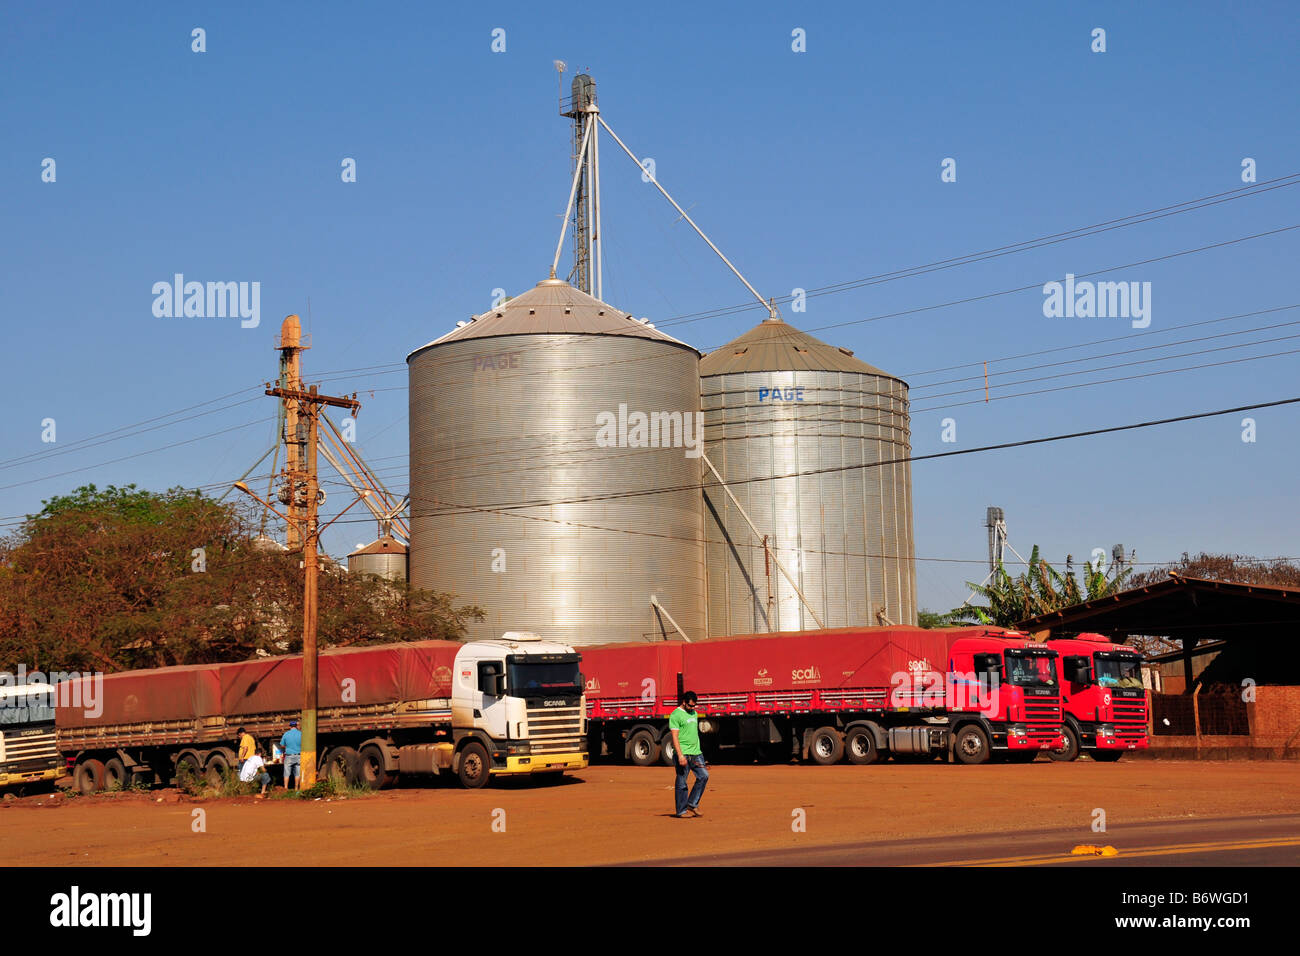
[(580, 106)]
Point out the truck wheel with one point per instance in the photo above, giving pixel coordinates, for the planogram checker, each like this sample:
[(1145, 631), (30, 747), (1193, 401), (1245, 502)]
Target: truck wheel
[(339, 767), (643, 748), (971, 745), (115, 775), (667, 752), (217, 771), (1070, 750), (188, 769), (860, 746), (474, 766), (826, 746), (89, 776), (1107, 756), (370, 769)]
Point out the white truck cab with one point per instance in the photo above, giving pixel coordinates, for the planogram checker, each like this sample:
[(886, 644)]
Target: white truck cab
[(524, 698)]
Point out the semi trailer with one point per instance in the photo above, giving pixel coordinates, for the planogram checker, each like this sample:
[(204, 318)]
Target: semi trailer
[(860, 694), (478, 710), (1103, 698)]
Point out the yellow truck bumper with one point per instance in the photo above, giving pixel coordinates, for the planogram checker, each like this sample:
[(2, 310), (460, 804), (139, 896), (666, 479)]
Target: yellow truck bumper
[(542, 763), (35, 776)]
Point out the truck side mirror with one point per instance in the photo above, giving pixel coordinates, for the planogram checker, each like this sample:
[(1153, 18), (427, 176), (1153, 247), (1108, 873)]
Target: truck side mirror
[(1078, 669), (496, 685), (989, 666)]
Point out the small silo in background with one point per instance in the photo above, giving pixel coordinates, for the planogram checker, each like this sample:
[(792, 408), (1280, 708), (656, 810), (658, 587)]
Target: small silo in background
[(517, 506), (779, 402), (384, 557)]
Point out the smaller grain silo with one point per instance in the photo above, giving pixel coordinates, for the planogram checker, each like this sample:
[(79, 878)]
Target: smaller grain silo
[(384, 558), (813, 443)]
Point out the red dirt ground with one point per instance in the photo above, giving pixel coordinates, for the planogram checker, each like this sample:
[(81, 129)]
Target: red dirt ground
[(611, 814)]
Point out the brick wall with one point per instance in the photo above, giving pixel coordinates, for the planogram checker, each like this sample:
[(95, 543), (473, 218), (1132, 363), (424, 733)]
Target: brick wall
[(1275, 715), (1274, 720)]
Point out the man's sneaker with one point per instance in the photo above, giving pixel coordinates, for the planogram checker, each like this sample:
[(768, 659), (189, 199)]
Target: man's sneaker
[(693, 812)]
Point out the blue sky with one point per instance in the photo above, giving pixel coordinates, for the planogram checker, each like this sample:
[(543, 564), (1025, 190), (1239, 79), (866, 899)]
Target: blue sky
[(807, 168)]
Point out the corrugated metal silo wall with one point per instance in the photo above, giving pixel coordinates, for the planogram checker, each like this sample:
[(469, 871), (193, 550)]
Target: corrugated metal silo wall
[(844, 533), (524, 430)]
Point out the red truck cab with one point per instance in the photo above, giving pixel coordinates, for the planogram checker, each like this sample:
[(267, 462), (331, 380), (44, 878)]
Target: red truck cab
[(1014, 685), (1103, 697)]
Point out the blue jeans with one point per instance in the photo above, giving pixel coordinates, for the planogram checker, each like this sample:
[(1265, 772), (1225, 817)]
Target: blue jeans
[(694, 764), (292, 768)]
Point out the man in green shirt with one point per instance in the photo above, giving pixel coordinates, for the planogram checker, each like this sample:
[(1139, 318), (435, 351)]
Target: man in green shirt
[(686, 744)]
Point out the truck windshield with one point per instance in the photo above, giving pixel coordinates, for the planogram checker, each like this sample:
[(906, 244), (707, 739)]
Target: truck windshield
[(26, 712), (1118, 672), (528, 679), (1031, 670)]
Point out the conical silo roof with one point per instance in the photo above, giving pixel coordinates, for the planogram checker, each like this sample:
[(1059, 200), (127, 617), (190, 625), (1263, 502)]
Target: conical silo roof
[(776, 346), (553, 307)]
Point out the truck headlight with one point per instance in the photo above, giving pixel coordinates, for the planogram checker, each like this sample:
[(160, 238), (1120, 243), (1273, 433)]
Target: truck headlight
[(1107, 730), (1017, 730), (523, 748)]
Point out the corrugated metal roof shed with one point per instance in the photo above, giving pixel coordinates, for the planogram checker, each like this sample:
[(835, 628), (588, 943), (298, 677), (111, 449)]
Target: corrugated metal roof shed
[(553, 307), (776, 346)]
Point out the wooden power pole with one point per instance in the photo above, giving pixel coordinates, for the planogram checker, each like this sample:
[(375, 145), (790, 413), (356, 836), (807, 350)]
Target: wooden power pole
[(307, 406)]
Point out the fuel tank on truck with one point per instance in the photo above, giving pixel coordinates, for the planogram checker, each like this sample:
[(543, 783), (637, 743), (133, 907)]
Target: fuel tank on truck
[(555, 471)]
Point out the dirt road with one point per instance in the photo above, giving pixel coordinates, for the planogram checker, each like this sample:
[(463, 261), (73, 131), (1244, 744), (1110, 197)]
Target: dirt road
[(620, 814)]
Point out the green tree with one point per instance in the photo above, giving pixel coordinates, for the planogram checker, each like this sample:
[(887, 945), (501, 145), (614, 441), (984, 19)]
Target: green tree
[(121, 578), (1038, 589)]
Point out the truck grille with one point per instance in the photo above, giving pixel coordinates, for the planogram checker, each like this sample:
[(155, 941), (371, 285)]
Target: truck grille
[(1042, 717), (1130, 717), (554, 730), (28, 751)]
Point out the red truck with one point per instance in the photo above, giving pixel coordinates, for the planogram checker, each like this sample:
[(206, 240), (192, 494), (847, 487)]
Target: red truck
[(478, 710), (1103, 697), (861, 694)]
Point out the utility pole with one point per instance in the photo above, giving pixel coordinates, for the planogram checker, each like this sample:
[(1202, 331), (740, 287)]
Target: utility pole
[(307, 405)]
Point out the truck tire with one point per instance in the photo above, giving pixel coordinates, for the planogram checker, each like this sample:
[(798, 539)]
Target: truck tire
[(88, 776), (189, 769), (860, 746), (339, 766), (667, 752), (1070, 751), (1107, 756), (826, 746), (371, 771), (643, 749), (115, 775), (475, 770), (971, 745), (217, 771)]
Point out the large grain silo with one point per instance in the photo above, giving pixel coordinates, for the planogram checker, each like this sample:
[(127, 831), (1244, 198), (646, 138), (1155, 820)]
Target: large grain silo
[(778, 402), (521, 504)]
